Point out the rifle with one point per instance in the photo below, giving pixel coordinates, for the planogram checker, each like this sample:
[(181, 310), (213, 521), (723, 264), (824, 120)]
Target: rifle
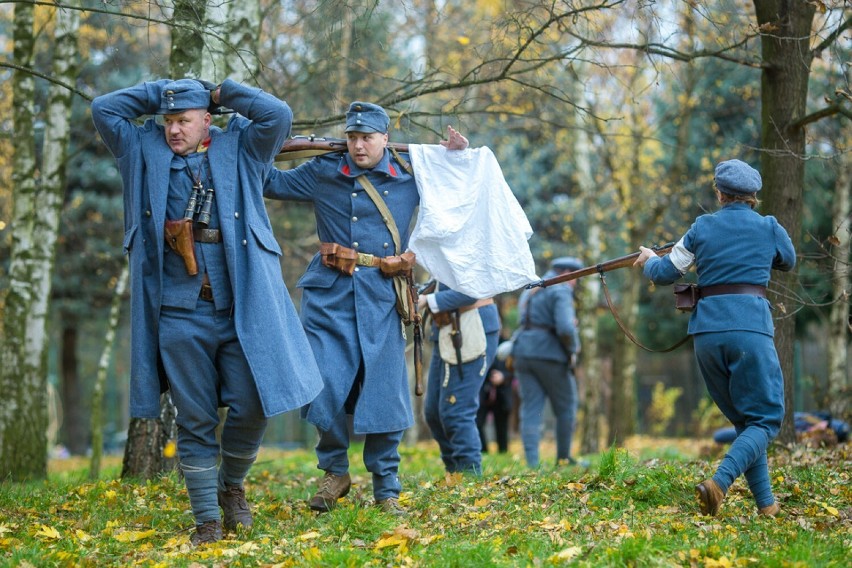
[(415, 291), (605, 266), (310, 146)]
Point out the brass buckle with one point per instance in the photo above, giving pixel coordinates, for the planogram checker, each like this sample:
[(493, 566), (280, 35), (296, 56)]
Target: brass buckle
[(365, 259)]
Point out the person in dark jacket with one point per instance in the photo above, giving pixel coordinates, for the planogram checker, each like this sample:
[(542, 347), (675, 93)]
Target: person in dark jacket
[(545, 351), (733, 251), (495, 400), (211, 319)]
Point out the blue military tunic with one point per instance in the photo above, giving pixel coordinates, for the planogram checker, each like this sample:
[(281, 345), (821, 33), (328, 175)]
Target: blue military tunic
[(734, 245), (266, 322), (352, 320)]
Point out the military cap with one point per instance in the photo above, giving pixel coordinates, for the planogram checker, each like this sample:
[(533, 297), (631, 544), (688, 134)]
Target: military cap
[(183, 94), (735, 177), (569, 263), (366, 117)]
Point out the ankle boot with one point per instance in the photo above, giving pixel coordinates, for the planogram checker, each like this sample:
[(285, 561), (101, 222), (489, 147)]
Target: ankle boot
[(710, 497)]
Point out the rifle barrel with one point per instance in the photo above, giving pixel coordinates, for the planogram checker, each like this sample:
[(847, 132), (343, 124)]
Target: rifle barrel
[(605, 266)]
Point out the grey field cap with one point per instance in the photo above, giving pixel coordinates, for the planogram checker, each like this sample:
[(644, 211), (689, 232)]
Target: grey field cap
[(735, 177), (183, 94), (571, 263), (366, 117)]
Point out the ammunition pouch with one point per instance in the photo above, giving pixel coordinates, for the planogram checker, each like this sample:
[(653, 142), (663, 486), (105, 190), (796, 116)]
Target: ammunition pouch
[(338, 257), (399, 268), (686, 297)]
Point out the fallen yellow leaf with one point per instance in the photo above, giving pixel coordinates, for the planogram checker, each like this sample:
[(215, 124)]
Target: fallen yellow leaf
[(133, 536), (48, 532), (309, 536), (567, 554)]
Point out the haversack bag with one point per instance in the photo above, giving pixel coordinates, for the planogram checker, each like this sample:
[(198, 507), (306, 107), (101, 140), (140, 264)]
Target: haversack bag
[(473, 338), (686, 296)]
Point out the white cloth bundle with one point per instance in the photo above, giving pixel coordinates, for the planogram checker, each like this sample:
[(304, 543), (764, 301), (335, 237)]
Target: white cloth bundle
[(471, 233)]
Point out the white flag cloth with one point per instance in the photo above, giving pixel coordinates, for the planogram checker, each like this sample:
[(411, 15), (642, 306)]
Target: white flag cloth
[(471, 233)]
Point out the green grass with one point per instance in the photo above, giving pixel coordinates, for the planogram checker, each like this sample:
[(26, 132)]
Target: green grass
[(630, 508)]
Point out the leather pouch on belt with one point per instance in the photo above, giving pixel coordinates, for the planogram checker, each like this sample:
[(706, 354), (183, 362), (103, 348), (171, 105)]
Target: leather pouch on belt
[(339, 258), (178, 235), (400, 265)]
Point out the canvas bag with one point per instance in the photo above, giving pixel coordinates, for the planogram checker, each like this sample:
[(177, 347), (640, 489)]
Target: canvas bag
[(473, 339)]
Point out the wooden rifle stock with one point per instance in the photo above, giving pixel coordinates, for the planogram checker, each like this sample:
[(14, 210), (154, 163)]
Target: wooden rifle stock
[(605, 266), (309, 146)]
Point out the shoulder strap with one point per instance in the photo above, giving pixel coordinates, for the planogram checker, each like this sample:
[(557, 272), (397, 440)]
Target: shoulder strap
[(402, 161), (383, 209)]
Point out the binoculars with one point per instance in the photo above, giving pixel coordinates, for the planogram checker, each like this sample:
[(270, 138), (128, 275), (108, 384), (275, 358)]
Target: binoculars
[(200, 205)]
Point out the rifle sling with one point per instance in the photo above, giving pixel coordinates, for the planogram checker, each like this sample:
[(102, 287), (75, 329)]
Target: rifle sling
[(626, 331)]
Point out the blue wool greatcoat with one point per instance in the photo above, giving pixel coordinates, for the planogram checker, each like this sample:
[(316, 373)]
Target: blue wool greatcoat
[(734, 245), (240, 157), (352, 320)]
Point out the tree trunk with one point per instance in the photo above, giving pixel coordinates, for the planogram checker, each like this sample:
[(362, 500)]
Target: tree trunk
[(73, 426), (623, 411), (35, 222), (784, 88), (144, 454), (216, 52), (244, 26), (588, 289), (839, 323), (103, 366), (187, 38)]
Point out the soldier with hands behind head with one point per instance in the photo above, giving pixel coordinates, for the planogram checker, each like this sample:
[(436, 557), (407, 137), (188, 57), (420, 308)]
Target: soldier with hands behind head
[(211, 319)]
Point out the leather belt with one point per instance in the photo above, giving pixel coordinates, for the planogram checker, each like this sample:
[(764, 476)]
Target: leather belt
[(719, 289), (207, 235), (443, 318), (365, 259)]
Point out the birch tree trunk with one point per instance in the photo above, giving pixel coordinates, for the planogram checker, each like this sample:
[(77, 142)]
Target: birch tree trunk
[(103, 366), (589, 373), (38, 203), (23, 414), (839, 322), (243, 31), (187, 38), (784, 87)]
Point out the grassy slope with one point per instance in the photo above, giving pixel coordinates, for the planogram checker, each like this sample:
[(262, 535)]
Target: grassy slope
[(633, 507)]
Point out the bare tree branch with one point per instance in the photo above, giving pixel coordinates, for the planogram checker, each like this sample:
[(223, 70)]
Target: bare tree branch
[(46, 77)]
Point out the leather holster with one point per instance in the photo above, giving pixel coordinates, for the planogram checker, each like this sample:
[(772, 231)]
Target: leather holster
[(178, 235)]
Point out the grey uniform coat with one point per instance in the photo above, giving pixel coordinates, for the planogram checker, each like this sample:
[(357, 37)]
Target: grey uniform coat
[(272, 338), (544, 315), (352, 320)]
